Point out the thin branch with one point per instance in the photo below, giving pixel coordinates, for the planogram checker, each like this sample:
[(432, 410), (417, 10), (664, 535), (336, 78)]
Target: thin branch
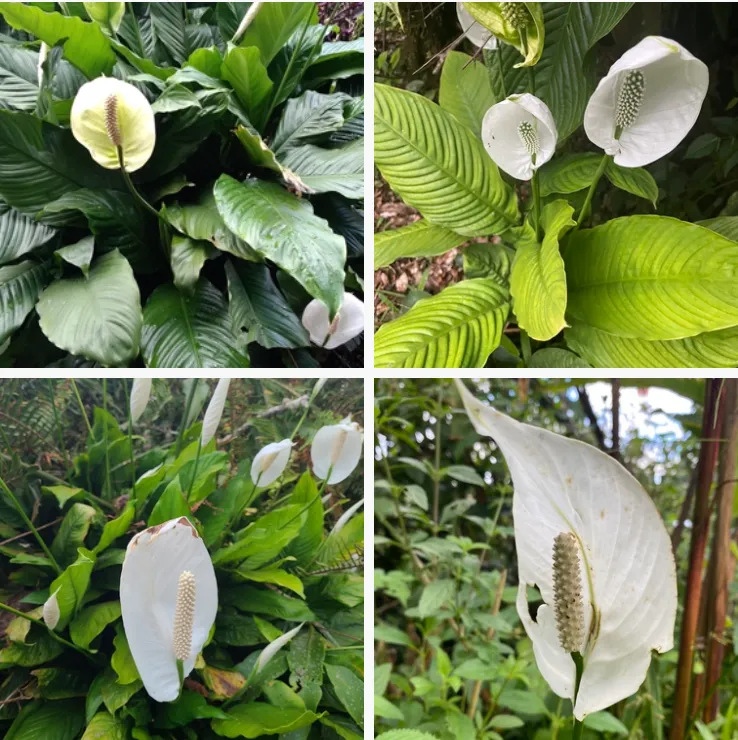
[(590, 414)]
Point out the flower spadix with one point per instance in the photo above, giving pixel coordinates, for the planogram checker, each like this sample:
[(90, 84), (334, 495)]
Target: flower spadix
[(347, 324), (108, 113), (519, 134), (647, 102), (474, 30), (270, 462), (168, 598), (336, 449), (590, 539)]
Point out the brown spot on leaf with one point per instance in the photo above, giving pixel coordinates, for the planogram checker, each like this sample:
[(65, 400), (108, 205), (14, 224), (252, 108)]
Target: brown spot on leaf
[(222, 684), (602, 513)]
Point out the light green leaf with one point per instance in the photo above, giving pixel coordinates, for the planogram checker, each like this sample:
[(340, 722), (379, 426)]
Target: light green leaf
[(116, 694), (189, 331), (465, 90), (56, 720), (273, 25), (63, 493), (172, 504), (438, 166), (600, 349), (308, 540), (90, 622), (43, 649), (349, 689), (99, 316), (419, 239), (42, 162), (320, 170), (71, 586), (606, 722), (72, 533), (652, 277), (244, 70), (20, 287), (538, 280), (86, 46), (259, 311), (386, 709), (459, 327), (276, 576), (105, 726), (20, 234), (108, 15), (552, 357), (259, 153), (435, 596), (257, 719), (187, 258), (122, 660), (174, 98), (79, 254), (116, 527), (568, 174), (284, 229)]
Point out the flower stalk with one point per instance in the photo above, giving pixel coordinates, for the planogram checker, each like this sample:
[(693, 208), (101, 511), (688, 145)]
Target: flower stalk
[(584, 213)]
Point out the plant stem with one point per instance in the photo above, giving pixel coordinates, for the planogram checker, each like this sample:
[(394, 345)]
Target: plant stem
[(186, 416), (130, 440), (105, 436), (525, 346), (30, 526), (437, 477), (137, 196), (536, 187), (56, 421), (180, 673), (194, 472), (58, 638), (590, 193), (579, 664), (81, 406)]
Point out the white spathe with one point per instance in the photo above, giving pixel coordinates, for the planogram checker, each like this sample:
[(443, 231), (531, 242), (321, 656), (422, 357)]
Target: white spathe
[(628, 571), (140, 393), (135, 123), (675, 87), (51, 612), (337, 448), (348, 323), (270, 462), (149, 583), (474, 30), (275, 646), (502, 138), (214, 411)]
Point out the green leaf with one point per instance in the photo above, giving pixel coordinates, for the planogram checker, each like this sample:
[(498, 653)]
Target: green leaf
[(86, 46), (63, 493), (459, 327), (60, 683), (273, 25), (189, 707), (171, 505), (237, 629), (506, 722), (55, 720), (72, 533), (116, 527), (259, 311), (522, 702), (98, 316), (20, 234), (284, 229), (41, 649), (305, 659), (703, 146), (438, 166), (271, 603), (337, 61), (168, 27), (652, 277), (489, 260), (187, 258), (435, 596), (70, 587), (634, 180), (20, 287), (244, 70), (320, 170), (79, 254), (42, 162), (105, 726), (109, 15), (122, 661), (115, 694), (18, 78), (90, 622), (291, 61), (257, 719), (552, 357), (115, 220), (419, 239), (386, 709), (189, 331), (465, 90), (725, 225), (568, 174), (538, 280), (306, 544), (276, 576), (175, 98), (349, 689), (600, 349), (258, 152), (308, 119), (605, 722)]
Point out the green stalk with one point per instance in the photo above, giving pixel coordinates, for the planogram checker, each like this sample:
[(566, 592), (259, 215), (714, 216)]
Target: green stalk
[(525, 346), (180, 673), (107, 454), (58, 638), (81, 406), (590, 193), (579, 664), (194, 472), (535, 184), (130, 440), (30, 526), (188, 406), (132, 188)]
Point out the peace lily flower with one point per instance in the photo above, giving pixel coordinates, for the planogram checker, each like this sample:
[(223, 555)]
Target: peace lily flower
[(168, 597), (270, 462), (337, 449), (589, 537), (108, 114), (43, 54), (140, 393), (348, 323), (275, 646), (108, 15), (647, 103), (519, 134), (474, 30), (214, 411), (51, 612)]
